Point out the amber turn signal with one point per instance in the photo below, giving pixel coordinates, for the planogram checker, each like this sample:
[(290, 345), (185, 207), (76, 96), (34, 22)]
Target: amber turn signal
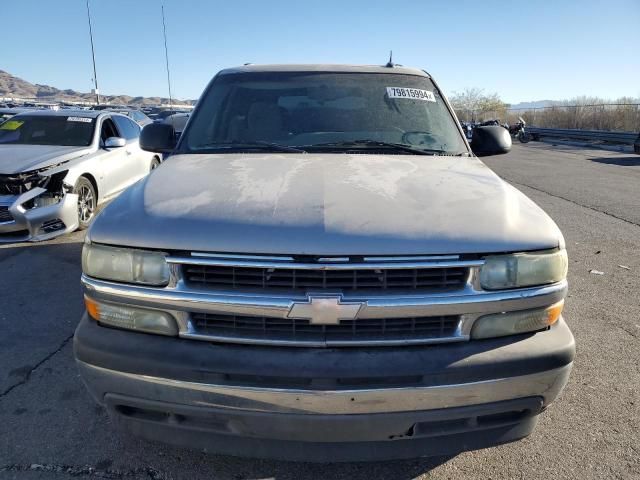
[(93, 308)]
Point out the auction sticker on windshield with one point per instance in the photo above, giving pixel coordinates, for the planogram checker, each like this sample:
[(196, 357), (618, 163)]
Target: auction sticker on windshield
[(411, 93), (79, 119), (11, 125)]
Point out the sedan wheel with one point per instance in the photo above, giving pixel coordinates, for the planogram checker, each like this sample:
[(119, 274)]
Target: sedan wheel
[(87, 202)]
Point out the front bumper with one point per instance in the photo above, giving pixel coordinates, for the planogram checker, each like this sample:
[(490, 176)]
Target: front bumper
[(325, 404), (41, 223)]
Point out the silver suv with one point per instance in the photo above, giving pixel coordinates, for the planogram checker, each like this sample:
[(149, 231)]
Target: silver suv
[(324, 270)]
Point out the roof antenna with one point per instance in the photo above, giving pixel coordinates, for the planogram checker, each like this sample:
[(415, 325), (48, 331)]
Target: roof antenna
[(390, 62)]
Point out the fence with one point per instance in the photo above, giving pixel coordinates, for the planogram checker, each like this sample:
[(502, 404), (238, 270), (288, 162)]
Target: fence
[(623, 117), (625, 138)]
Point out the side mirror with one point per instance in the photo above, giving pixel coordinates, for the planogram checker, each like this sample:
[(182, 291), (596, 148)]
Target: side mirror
[(158, 137), (114, 142), (490, 140)]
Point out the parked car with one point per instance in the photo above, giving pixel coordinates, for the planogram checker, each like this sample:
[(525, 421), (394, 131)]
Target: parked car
[(178, 121), (139, 117), (7, 113), (636, 145), (135, 115), (163, 114), (324, 271), (149, 111), (57, 167), (106, 106)]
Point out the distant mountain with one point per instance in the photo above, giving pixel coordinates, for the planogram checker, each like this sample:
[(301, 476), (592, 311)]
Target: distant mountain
[(15, 87), (535, 104)]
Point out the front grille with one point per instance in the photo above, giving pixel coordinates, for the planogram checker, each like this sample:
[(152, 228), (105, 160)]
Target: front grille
[(257, 329), (5, 215), (422, 279)]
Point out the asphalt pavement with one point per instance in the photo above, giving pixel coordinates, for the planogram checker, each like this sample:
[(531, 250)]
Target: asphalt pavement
[(51, 429)]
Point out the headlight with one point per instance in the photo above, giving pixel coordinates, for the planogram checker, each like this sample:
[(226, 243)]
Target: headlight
[(512, 323), (523, 269), (44, 200), (125, 265), (132, 318)]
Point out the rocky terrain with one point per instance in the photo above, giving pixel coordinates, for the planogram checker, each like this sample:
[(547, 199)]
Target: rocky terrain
[(15, 87)]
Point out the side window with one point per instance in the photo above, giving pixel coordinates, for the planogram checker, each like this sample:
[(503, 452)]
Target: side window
[(128, 128), (108, 130), (134, 128)]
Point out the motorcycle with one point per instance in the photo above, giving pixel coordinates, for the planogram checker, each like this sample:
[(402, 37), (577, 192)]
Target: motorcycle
[(467, 128), (518, 130)]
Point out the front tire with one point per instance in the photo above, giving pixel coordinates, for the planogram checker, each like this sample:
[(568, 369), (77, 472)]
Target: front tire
[(524, 137), (87, 202)]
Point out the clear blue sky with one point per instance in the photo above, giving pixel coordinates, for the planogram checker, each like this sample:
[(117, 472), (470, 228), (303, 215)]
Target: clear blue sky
[(523, 50)]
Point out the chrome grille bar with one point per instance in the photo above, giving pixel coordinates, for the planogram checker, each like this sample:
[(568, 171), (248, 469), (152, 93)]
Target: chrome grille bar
[(380, 265), (434, 279), (303, 331), (182, 302)]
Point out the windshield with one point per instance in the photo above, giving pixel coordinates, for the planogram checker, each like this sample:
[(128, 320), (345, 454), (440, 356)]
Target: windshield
[(331, 111), (55, 130)]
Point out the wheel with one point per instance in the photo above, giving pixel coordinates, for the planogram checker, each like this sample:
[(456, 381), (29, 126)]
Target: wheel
[(524, 137), (87, 202), (155, 163)]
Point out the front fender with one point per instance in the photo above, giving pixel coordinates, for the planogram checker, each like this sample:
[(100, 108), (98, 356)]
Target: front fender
[(88, 165)]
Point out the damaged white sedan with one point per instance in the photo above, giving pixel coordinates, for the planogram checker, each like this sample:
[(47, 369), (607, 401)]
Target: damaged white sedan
[(56, 168)]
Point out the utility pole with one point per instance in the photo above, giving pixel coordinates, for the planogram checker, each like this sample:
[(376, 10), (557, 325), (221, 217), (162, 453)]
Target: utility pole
[(166, 55), (93, 57)]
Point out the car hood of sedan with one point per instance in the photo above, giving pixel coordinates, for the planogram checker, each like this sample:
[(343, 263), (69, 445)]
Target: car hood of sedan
[(25, 158), (325, 204)]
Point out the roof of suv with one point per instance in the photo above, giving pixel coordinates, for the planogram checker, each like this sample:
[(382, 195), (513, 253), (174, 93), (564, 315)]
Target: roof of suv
[(397, 69)]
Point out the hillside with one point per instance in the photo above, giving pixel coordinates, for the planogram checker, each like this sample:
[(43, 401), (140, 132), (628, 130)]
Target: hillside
[(534, 104), (15, 87)]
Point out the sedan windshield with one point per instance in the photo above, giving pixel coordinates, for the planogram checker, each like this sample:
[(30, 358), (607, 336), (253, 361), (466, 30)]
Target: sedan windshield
[(41, 130), (324, 112)]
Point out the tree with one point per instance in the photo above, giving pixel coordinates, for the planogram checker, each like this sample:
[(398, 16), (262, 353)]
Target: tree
[(473, 104)]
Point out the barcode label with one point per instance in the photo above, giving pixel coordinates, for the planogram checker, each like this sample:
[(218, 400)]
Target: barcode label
[(411, 94)]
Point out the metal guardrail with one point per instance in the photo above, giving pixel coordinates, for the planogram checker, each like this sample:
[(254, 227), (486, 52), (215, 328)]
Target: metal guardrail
[(626, 138)]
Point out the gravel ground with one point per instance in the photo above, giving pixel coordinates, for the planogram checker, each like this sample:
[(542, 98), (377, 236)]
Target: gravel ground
[(51, 429)]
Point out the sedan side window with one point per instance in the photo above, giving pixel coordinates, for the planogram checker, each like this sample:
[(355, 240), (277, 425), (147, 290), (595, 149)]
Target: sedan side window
[(130, 130), (108, 130)]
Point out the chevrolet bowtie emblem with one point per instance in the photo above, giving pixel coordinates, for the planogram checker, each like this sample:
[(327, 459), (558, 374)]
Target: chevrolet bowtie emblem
[(327, 310)]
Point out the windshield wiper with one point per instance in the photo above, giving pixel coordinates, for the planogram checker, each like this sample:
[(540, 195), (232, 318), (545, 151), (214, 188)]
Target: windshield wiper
[(377, 143), (274, 147)]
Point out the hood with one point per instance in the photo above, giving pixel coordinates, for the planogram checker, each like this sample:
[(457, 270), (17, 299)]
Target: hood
[(320, 204), (25, 158)]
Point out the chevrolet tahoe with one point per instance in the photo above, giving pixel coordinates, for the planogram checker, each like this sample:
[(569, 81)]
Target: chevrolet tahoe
[(324, 270)]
